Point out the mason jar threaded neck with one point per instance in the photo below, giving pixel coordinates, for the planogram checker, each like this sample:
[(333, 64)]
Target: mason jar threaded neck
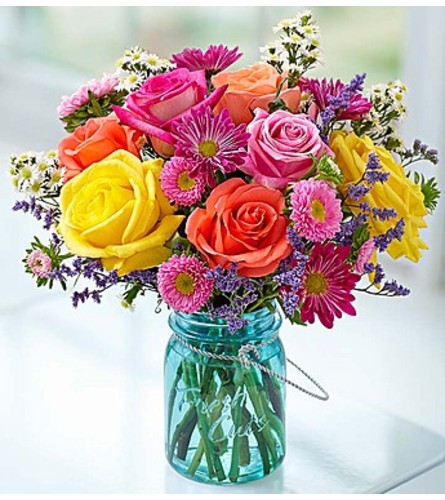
[(200, 327)]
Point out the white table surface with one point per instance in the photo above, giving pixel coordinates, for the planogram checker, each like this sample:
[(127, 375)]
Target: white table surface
[(82, 413)]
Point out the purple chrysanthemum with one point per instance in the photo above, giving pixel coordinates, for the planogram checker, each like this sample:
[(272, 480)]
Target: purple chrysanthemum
[(184, 284), (178, 183), (215, 59), (211, 142)]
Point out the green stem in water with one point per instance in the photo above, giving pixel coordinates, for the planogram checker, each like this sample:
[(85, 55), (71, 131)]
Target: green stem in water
[(171, 400), (236, 418)]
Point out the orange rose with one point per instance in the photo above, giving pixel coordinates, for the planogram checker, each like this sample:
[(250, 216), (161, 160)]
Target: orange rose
[(242, 224), (251, 88), (94, 141)]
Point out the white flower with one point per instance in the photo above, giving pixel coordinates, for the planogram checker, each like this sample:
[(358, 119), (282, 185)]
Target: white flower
[(285, 23)]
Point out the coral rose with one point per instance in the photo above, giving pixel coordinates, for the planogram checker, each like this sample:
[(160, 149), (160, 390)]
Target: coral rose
[(251, 88), (161, 100), (94, 141), (398, 192), (242, 224), (115, 211), (281, 148)]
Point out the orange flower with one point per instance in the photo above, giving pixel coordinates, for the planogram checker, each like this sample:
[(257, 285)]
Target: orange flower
[(242, 224), (94, 141), (251, 88)]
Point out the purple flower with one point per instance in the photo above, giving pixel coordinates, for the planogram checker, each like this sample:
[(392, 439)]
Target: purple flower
[(210, 142), (338, 100), (215, 59), (394, 289)]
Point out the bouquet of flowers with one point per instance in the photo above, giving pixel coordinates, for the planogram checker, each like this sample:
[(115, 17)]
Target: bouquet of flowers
[(228, 193)]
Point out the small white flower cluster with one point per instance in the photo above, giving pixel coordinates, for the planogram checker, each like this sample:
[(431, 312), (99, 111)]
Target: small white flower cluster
[(388, 110), (136, 66), (37, 174), (298, 47)]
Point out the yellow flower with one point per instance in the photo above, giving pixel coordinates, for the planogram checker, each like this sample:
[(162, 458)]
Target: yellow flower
[(115, 210), (399, 193)]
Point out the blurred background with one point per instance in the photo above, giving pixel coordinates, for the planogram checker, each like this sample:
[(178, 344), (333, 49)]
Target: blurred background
[(81, 384)]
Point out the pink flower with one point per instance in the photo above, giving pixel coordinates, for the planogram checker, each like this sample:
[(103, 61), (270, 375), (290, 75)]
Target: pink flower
[(364, 256), (327, 284), (281, 147), (315, 210), (183, 283), (99, 88), (179, 184), (215, 59), (39, 263), (161, 100), (211, 142), (323, 90)]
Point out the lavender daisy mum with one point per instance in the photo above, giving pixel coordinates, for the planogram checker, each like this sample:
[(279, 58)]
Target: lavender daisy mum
[(211, 142), (215, 59), (184, 284), (179, 184)]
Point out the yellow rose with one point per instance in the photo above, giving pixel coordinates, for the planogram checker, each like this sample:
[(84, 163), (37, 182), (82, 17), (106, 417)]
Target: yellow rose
[(398, 192), (115, 210)]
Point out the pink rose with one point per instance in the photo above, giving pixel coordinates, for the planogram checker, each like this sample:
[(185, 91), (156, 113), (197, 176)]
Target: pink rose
[(281, 147), (161, 100)]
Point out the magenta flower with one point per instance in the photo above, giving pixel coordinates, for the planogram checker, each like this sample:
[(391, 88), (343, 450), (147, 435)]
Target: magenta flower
[(211, 142), (39, 263), (315, 210), (215, 59), (327, 284), (99, 88), (162, 99), (354, 107), (364, 256), (184, 284), (179, 184)]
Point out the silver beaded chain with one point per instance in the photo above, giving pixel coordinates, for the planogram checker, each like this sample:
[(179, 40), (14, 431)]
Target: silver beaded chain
[(247, 361)]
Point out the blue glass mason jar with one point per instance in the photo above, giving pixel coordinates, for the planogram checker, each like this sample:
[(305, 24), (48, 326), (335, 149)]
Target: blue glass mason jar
[(225, 419)]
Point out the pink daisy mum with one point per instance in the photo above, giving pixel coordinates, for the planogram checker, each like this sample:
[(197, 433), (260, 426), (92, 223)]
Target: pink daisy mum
[(327, 284), (179, 184), (215, 59), (39, 263), (315, 210), (212, 142), (183, 283), (364, 256), (99, 88)]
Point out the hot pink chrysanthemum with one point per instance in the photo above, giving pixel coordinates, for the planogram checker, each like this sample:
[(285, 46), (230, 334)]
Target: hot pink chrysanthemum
[(99, 88), (215, 59), (178, 183), (355, 105), (327, 284), (183, 283), (364, 256), (211, 142), (315, 210), (39, 263)]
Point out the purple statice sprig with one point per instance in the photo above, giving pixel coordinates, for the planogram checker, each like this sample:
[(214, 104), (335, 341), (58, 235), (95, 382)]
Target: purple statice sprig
[(135, 284), (387, 288), (418, 152), (42, 210), (235, 295), (289, 277)]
